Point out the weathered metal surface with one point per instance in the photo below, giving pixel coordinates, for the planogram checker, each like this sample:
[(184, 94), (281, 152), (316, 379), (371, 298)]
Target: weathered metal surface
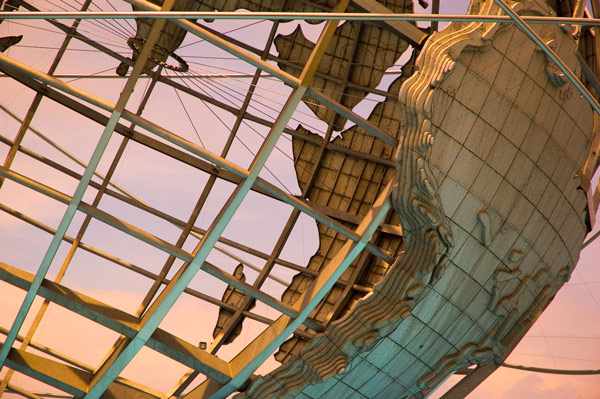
[(7, 41), (349, 184), (169, 41), (493, 222), (121, 322), (235, 298), (489, 208), (378, 48), (359, 50)]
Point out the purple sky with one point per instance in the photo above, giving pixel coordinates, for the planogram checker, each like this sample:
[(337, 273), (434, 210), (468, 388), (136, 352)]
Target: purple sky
[(566, 336)]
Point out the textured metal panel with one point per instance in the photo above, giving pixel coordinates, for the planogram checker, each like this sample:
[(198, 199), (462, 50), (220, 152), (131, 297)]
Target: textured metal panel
[(360, 51), (492, 218), (349, 184)]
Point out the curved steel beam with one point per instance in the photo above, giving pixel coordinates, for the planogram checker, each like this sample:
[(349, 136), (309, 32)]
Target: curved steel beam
[(551, 371), (301, 16)]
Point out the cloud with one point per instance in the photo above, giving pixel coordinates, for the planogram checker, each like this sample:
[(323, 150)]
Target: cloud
[(533, 387), (515, 384)]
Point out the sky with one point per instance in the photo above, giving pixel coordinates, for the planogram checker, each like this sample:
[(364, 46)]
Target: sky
[(566, 335)]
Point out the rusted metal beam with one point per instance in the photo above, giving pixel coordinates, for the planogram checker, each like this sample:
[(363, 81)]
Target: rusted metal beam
[(12, 67), (121, 322), (461, 389), (145, 273), (254, 354), (67, 378), (33, 108), (157, 243), (314, 139), (407, 31), (435, 9), (236, 318), (78, 364), (25, 124), (176, 222), (116, 113), (191, 375)]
